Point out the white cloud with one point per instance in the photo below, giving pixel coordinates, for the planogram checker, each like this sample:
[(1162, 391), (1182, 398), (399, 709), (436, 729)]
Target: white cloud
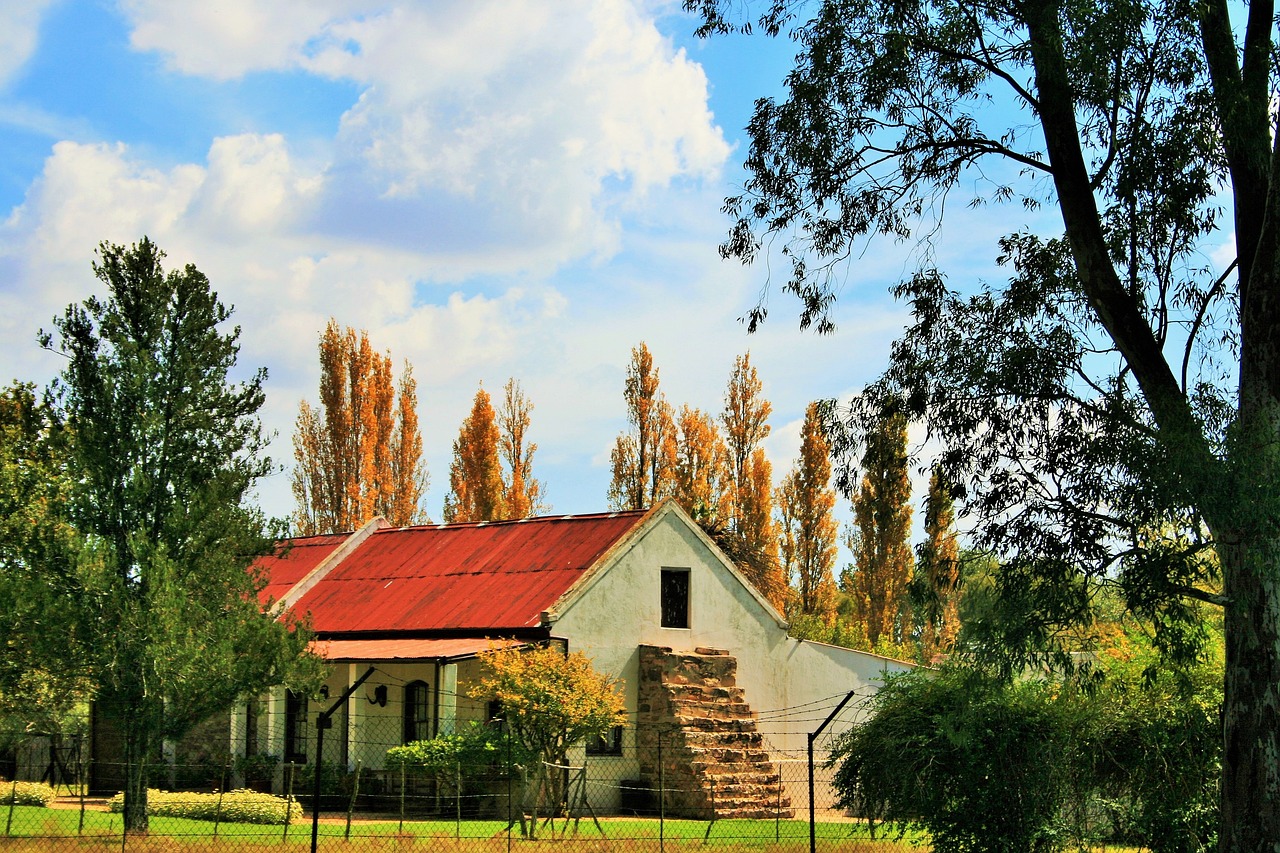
[(19, 34), (523, 189), (507, 134)]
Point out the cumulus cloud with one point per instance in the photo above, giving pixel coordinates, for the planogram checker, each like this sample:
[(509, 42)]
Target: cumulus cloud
[(19, 31), (511, 131)]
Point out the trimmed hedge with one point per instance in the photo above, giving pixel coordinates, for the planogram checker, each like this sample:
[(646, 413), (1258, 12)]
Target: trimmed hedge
[(236, 806), (25, 793)]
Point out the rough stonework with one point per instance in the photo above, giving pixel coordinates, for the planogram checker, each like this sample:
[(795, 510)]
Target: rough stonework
[(713, 760)]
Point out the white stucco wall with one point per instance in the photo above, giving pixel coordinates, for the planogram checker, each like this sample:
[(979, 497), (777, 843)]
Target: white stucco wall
[(617, 610)]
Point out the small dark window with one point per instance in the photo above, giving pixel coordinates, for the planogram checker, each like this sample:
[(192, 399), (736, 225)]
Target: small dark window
[(675, 598), (295, 728), (251, 727), (493, 712), (417, 711), (609, 743)]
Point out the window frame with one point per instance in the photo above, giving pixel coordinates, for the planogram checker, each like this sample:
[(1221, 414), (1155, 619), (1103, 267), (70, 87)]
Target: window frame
[(675, 582), (608, 744), (295, 727), (417, 696)]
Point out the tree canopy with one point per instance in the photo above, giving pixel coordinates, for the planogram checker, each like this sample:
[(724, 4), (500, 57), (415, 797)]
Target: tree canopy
[(1121, 381), (163, 448), (549, 700)]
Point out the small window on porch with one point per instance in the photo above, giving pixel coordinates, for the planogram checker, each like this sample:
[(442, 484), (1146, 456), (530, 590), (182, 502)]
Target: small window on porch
[(675, 598), (610, 743), (417, 711), (295, 728)]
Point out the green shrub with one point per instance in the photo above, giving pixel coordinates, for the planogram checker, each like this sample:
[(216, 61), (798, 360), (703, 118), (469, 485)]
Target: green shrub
[(25, 793), (981, 764), (231, 807), (473, 749)]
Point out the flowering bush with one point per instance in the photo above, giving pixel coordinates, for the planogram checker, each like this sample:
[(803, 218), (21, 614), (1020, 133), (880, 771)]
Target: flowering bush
[(25, 793), (231, 807)]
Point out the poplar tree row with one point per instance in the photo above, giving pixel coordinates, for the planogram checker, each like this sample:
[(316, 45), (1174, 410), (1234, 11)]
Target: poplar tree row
[(785, 542), (359, 454)]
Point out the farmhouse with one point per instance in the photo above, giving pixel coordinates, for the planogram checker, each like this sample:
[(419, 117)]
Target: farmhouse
[(703, 660)]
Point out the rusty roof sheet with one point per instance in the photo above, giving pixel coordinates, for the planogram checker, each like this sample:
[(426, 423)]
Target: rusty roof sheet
[(292, 560), (487, 577)]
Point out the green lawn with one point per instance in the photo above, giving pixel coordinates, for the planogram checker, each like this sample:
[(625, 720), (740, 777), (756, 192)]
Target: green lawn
[(47, 823)]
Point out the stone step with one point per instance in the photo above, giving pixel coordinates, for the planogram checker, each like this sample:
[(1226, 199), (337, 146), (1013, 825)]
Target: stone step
[(742, 739), (706, 693), (715, 710), (728, 754), (714, 724), (732, 776)]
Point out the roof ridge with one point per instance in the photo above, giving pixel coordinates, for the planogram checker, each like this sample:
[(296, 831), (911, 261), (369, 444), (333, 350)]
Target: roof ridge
[(471, 525)]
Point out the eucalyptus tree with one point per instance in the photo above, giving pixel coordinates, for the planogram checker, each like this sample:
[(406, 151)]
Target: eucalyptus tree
[(1121, 382)]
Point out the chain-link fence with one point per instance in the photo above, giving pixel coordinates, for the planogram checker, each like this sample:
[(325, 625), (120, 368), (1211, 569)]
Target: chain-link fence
[(251, 778)]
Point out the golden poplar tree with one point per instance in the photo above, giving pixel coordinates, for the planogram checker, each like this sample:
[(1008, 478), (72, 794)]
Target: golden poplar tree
[(750, 480), (407, 472), (882, 516), (359, 454), (475, 477), (640, 460), (746, 422), (940, 567), (806, 504), (523, 495), (698, 465), (759, 531)]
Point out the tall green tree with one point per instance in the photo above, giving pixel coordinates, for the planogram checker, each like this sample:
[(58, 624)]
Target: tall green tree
[(164, 447), (1121, 380)]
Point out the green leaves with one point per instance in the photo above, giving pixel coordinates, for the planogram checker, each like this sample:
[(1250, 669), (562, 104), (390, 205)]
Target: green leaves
[(1036, 764), (162, 449)]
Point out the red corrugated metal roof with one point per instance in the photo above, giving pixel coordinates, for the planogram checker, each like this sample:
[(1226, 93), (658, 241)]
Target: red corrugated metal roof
[(492, 577), (292, 560), (410, 649)]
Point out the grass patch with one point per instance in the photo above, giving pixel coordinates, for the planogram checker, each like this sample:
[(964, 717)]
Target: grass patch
[(57, 829)]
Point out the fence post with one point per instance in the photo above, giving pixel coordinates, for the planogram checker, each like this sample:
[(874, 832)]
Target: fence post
[(777, 812), (351, 804), (813, 825), (82, 774), (288, 799), (322, 723), (506, 731), (13, 800), (662, 798)]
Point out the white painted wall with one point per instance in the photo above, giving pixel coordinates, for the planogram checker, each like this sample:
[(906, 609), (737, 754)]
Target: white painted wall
[(617, 610)]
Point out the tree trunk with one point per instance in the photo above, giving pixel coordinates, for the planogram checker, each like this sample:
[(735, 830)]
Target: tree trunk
[(1251, 706), (138, 754)]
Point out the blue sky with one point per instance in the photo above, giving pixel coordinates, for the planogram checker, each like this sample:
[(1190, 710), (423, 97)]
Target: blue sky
[(506, 188)]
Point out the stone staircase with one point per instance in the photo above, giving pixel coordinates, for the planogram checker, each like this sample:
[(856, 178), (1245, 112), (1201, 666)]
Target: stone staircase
[(714, 763)]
